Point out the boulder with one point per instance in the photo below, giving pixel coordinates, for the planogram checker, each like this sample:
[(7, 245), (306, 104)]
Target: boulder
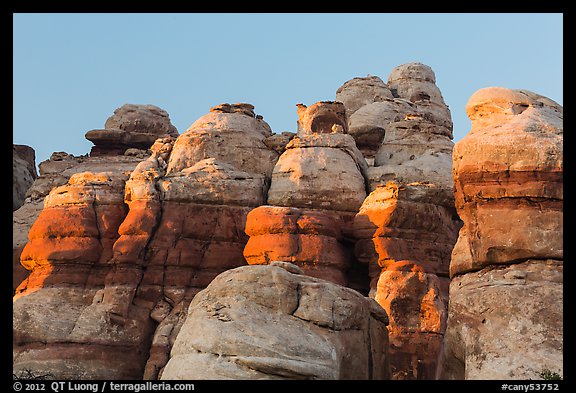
[(319, 171), (269, 322), (131, 126), (231, 134), (358, 92)]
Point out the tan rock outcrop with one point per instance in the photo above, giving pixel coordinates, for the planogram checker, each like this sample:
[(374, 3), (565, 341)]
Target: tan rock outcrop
[(131, 126), (319, 171), (317, 186), (403, 127), (505, 318), (323, 117), (269, 322), (231, 134)]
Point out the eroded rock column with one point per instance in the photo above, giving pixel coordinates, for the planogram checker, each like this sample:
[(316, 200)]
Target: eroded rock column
[(407, 225), (60, 326), (317, 187), (505, 319)]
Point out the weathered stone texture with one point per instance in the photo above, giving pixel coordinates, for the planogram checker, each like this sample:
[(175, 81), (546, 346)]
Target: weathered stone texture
[(269, 322), (505, 317), (131, 126)]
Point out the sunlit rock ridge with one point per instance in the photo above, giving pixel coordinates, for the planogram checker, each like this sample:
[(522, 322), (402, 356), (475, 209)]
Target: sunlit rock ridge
[(364, 244)]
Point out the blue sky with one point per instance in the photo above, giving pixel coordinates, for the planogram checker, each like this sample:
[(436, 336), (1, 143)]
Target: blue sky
[(72, 70)]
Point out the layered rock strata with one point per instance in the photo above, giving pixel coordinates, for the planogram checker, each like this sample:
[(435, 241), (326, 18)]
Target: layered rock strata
[(406, 234), (317, 186), (271, 322), (182, 224), (505, 318), (407, 226), (60, 326), (56, 172), (112, 153), (187, 218)]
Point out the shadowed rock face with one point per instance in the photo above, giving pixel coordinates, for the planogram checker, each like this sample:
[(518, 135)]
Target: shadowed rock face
[(270, 322), (23, 173), (131, 126), (505, 319)]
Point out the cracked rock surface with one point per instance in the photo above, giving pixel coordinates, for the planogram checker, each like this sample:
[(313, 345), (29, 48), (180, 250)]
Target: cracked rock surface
[(271, 322)]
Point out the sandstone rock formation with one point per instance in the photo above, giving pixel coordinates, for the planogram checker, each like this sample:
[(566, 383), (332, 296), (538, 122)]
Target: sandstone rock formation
[(407, 226), (316, 240), (270, 322), (56, 328), (23, 173), (115, 151), (131, 126), (402, 127), (505, 319), (176, 232), (406, 234), (55, 172), (137, 252), (231, 134), (317, 186)]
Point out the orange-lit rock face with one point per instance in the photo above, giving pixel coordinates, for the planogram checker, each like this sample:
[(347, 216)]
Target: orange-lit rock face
[(76, 228), (59, 304), (506, 268), (406, 238), (509, 165), (311, 239)]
